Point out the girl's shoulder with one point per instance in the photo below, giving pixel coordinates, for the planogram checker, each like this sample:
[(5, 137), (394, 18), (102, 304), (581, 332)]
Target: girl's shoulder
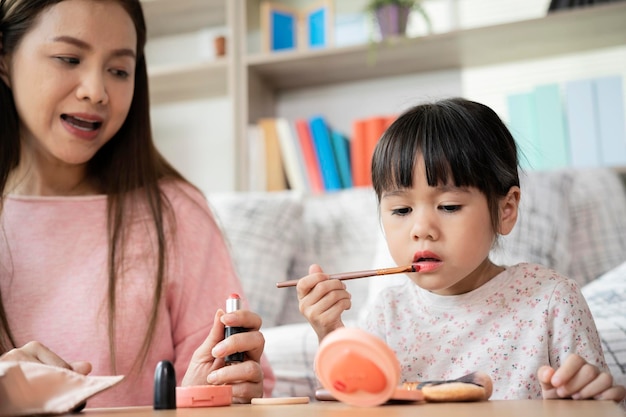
[(532, 269), (539, 274)]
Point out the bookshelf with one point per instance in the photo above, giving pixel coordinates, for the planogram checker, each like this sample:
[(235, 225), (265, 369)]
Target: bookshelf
[(565, 32), (180, 82), (254, 81)]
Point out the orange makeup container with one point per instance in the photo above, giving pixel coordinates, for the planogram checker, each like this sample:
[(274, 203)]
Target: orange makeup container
[(360, 369)]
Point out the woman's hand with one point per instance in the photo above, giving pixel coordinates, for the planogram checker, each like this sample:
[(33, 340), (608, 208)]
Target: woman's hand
[(322, 300), (207, 363), (37, 352), (578, 380)]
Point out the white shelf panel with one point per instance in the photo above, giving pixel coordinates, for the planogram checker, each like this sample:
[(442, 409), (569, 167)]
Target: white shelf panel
[(168, 17), (569, 31), (188, 82)]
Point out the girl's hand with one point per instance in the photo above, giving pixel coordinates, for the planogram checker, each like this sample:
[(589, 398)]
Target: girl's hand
[(578, 380), (322, 300), (37, 352), (207, 363)]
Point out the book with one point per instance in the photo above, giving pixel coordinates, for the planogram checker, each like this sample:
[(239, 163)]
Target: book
[(274, 171), (610, 111), (552, 137), (292, 160), (256, 158), (279, 26), (522, 123), (341, 148), (582, 124), (309, 155), (358, 155), (375, 126), (325, 155)]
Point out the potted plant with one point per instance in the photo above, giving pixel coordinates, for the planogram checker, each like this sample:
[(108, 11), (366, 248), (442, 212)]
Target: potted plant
[(392, 15)]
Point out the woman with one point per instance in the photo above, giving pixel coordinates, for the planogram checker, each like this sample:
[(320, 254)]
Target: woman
[(110, 261)]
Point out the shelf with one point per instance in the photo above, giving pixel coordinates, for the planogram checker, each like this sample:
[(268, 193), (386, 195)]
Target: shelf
[(563, 32), (188, 82), (170, 17)]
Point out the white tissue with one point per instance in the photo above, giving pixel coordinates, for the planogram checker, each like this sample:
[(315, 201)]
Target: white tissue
[(29, 388)]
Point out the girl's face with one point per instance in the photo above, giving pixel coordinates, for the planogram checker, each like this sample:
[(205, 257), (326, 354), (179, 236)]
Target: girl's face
[(446, 230), (72, 77)]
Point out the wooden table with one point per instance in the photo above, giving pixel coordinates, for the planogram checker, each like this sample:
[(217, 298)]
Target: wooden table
[(513, 408)]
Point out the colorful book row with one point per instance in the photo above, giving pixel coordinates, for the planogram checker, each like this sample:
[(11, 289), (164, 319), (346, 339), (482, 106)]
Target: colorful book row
[(310, 156), (580, 123)]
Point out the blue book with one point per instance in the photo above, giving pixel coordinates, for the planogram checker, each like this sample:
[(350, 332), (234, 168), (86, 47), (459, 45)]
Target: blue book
[(325, 153), (552, 136), (317, 20), (283, 30), (341, 146), (610, 111), (523, 126), (582, 124)]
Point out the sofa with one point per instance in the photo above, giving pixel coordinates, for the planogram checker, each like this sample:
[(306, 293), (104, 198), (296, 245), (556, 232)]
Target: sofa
[(572, 220)]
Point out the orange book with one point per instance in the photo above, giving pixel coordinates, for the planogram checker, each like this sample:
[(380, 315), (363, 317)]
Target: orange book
[(309, 154), (358, 155), (374, 128)]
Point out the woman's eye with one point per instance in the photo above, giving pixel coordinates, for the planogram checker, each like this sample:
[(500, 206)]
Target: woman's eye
[(69, 60), (401, 211), (120, 73), (451, 208)]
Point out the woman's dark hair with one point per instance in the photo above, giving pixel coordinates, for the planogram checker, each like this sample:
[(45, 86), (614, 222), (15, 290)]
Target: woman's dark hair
[(461, 141), (127, 169)]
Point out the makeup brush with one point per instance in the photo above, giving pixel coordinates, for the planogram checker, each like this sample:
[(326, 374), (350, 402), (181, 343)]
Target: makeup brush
[(359, 274)]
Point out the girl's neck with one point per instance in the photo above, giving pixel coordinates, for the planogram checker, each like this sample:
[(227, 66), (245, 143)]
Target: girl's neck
[(486, 272)]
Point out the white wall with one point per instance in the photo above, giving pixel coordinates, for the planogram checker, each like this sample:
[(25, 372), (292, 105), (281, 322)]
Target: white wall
[(341, 104), (196, 137), (491, 85)]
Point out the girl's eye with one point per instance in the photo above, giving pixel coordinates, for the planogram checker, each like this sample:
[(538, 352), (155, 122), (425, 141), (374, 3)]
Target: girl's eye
[(450, 208), (401, 211)]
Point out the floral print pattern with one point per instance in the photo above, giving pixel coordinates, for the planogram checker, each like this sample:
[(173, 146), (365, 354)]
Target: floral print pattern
[(525, 317)]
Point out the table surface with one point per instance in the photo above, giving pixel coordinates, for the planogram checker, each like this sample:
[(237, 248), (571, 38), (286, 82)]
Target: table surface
[(514, 408)]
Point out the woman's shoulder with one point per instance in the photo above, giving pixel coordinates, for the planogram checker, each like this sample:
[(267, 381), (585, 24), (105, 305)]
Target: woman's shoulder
[(187, 203), (182, 192)]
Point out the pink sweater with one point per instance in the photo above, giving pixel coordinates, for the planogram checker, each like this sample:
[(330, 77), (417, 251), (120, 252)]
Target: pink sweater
[(53, 278)]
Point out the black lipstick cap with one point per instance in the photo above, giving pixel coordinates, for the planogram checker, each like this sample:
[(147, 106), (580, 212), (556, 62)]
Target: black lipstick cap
[(164, 386)]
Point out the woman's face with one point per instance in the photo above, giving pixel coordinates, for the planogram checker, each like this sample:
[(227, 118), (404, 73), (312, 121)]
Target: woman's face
[(72, 77)]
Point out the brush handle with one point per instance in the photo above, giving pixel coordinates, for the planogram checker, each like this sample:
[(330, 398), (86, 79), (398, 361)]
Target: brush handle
[(357, 274)]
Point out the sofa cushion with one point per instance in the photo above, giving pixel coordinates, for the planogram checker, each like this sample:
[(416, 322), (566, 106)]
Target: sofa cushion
[(261, 230), (542, 232), (606, 297), (291, 351), (339, 232), (597, 240)]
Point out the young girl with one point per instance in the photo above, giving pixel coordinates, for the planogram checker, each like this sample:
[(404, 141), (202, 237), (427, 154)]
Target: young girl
[(446, 177), (107, 254)]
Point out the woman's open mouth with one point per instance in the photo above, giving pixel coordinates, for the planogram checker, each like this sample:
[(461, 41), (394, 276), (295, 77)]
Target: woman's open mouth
[(81, 124)]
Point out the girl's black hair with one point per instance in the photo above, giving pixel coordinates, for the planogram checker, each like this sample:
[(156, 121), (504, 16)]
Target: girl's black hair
[(461, 141)]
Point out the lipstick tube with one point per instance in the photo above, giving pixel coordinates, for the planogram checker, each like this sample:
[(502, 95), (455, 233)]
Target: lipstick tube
[(233, 303)]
